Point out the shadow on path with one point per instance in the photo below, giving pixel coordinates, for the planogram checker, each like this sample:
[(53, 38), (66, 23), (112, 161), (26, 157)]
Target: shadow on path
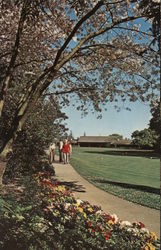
[(73, 186), (127, 185)]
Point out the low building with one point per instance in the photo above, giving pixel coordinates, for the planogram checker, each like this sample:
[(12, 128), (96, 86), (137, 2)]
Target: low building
[(102, 141)]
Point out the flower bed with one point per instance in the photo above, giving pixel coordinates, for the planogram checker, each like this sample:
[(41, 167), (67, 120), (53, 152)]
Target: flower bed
[(78, 225)]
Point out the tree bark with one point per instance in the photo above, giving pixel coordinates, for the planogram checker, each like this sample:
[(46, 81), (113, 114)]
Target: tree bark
[(2, 170), (14, 55), (12, 135)]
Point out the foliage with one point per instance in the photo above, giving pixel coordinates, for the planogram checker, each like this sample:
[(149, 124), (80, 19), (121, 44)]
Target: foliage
[(19, 219), (150, 138), (145, 138), (151, 9), (70, 136), (61, 221), (155, 120), (74, 47), (116, 137), (43, 126), (155, 123)]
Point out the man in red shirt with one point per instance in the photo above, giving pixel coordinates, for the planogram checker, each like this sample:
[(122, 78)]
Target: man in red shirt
[(66, 149)]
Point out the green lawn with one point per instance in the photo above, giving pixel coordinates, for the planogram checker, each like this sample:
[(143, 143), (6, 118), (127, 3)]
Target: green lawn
[(131, 174)]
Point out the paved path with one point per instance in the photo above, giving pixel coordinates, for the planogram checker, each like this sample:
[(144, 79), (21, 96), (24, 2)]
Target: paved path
[(111, 204)]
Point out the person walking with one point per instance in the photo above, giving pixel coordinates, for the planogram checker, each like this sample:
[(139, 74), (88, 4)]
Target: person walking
[(60, 151), (66, 151), (52, 152)]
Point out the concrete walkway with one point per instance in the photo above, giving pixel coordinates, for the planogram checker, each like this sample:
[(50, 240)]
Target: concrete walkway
[(110, 204)]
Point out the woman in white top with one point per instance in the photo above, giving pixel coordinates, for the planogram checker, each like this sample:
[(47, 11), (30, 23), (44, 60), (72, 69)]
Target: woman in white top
[(52, 152)]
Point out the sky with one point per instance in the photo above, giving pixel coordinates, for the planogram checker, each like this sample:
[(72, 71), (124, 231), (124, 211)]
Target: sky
[(124, 122)]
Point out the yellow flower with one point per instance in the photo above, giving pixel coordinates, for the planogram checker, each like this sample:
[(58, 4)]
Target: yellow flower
[(84, 214), (153, 236), (90, 209), (60, 188), (148, 246), (110, 222), (80, 210)]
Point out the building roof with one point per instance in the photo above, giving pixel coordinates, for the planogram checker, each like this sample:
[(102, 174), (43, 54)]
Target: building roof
[(103, 139), (93, 139)]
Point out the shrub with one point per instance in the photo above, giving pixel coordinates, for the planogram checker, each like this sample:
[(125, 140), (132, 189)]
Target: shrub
[(53, 218)]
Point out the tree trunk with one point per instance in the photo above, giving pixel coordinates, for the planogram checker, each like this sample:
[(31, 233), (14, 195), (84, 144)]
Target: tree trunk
[(3, 162), (2, 170), (20, 117)]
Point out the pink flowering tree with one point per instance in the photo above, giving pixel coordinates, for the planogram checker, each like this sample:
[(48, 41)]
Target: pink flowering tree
[(97, 51)]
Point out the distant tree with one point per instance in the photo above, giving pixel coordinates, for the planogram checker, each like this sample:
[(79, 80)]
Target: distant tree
[(70, 136), (116, 136), (155, 123), (145, 138)]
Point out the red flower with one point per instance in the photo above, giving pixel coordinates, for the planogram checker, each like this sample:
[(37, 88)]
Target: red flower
[(108, 217), (89, 223), (47, 173), (141, 225), (107, 236)]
